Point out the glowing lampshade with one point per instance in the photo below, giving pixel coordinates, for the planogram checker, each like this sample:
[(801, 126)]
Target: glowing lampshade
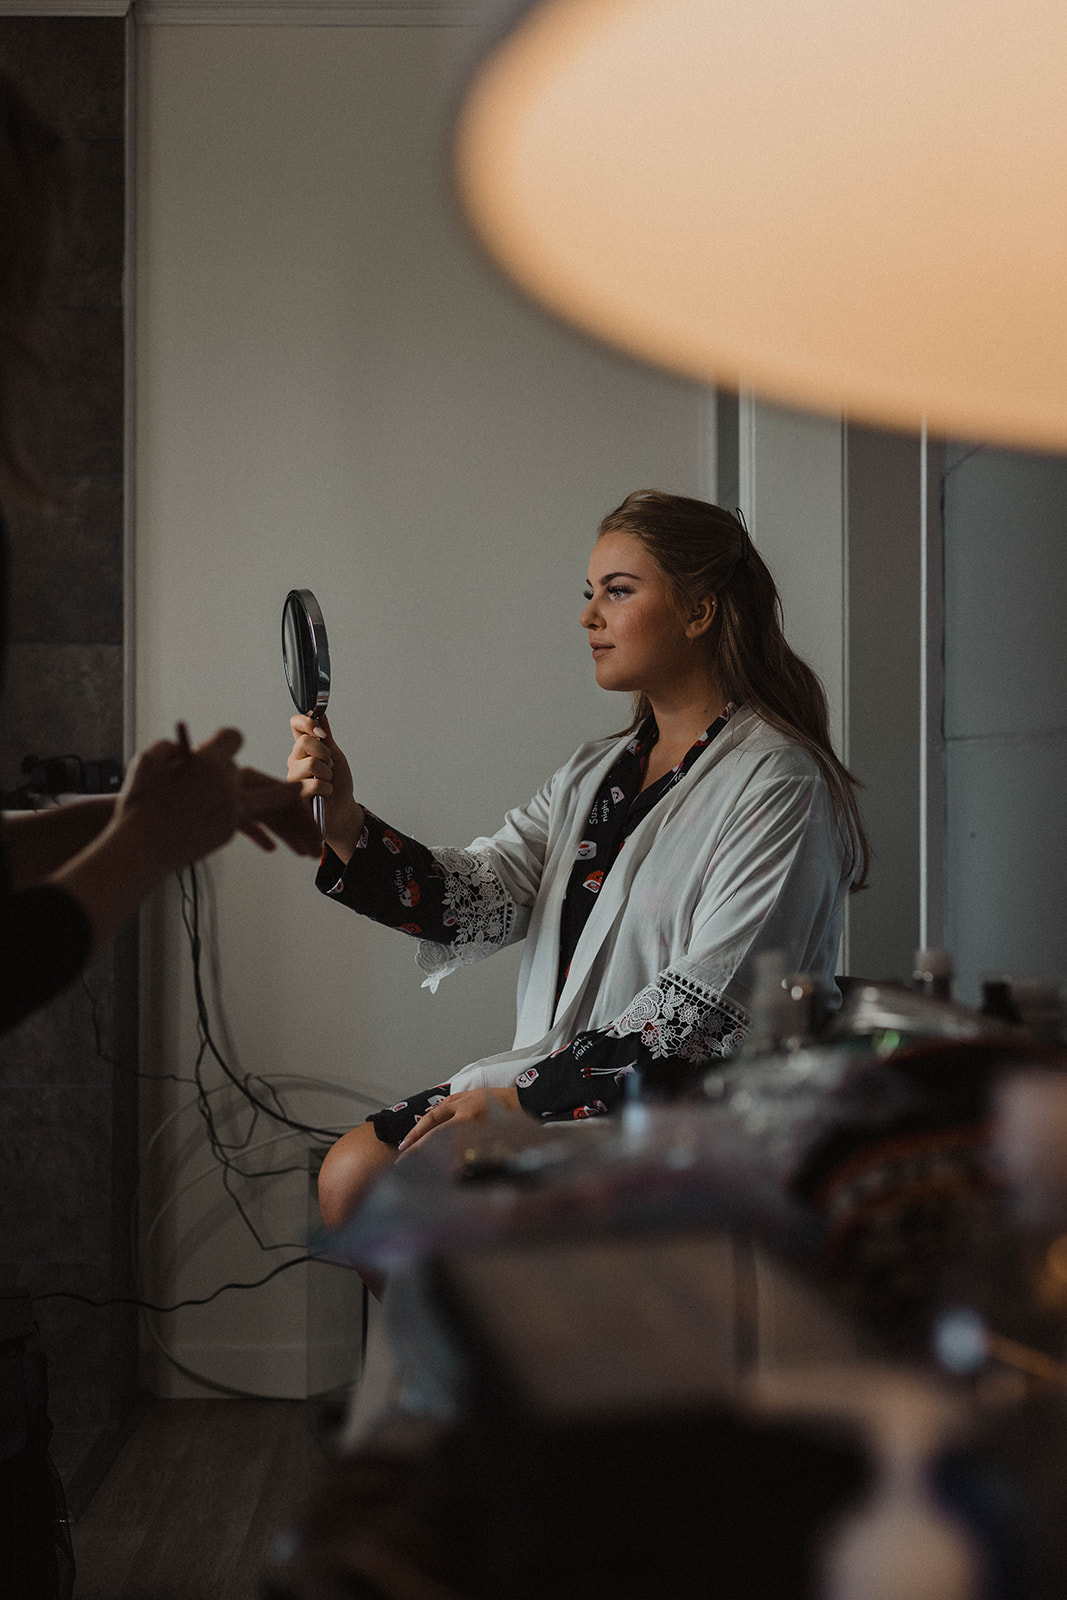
[(844, 204)]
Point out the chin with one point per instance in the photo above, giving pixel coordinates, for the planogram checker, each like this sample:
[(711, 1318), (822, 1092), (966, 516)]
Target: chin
[(616, 688)]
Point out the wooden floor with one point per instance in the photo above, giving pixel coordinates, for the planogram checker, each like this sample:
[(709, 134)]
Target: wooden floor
[(194, 1500)]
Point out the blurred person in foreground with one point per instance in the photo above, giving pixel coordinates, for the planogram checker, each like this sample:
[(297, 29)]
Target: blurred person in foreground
[(71, 877)]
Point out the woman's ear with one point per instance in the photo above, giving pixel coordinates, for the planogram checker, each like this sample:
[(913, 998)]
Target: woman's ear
[(702, 618)]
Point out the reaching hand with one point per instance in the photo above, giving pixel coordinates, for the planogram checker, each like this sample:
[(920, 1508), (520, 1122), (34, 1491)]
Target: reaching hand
[(182, 804), (177, 805), (266, 803)]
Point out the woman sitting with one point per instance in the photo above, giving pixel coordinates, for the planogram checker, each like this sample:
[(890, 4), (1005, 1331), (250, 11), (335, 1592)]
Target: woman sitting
[(649, 871)]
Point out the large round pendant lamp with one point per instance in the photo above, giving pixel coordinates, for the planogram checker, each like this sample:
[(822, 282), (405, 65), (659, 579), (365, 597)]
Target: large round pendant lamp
[(854, 205)]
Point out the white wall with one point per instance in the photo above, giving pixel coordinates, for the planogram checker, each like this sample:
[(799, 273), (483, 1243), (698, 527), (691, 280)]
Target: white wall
[(792, 493), (334, 393)]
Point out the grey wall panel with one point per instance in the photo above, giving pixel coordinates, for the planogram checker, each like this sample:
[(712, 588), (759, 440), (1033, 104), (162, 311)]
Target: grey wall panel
[(1005, 529), (1005, 589), (883, 499), (1007, 857)]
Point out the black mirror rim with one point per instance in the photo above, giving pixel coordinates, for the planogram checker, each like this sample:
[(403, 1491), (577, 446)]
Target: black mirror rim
[(302, 604)]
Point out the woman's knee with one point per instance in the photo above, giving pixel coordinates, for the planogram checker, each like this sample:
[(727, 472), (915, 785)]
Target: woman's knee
[(349, 1168)]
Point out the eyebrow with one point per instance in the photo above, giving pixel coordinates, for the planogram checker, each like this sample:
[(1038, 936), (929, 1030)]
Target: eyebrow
[(609, 575)]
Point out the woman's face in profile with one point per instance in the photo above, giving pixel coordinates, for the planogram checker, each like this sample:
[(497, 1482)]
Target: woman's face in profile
[(637, 638)]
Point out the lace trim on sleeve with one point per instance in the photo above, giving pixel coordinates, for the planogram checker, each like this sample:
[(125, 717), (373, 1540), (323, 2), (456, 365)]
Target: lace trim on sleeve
[(483, 910), (680, 1016)]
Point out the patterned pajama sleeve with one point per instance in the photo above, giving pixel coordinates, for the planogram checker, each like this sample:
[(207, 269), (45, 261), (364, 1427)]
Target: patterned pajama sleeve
[(394, 1122), (587, 1078), (448, 899), (392, 879), (666, 1031)]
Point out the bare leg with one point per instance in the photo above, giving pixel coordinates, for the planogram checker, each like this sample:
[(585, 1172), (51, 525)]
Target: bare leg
[(350, 1167)]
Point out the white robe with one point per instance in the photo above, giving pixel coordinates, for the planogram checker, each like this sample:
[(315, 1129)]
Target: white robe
[(745, 854)]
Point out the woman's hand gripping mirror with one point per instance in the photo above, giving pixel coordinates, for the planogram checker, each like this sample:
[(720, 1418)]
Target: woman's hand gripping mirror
[(319, 765)]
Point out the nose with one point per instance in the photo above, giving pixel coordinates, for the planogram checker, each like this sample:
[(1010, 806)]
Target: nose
[(590, 617)]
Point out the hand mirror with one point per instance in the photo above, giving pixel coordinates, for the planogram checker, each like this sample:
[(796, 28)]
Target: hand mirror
[(306, 654)]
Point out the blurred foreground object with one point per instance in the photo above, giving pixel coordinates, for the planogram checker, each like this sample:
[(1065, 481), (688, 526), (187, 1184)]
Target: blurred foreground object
[(604, 1448), (689, 1349), (842, 207)]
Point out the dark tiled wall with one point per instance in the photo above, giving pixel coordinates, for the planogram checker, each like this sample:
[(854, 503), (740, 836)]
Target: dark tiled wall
[(67, 1076), (65, 667)]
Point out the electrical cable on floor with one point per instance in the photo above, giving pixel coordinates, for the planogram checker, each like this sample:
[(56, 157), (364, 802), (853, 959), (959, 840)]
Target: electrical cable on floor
[(179, 1305), (209, 1172), (113, 1061), (222, 1149), (190, 913), (231, 1155), (172, 1200), (225, 1151), (300, 1082)]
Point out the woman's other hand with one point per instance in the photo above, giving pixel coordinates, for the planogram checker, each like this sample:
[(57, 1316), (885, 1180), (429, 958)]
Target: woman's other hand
[(319, 766), (469, 1105)]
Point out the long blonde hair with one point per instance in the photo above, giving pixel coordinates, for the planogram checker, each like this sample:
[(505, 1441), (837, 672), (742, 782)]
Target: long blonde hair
[(703, 550)]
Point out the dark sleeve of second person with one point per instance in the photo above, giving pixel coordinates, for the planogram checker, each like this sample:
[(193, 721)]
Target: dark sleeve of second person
[(44, 943), (394, 880), (45, 936)]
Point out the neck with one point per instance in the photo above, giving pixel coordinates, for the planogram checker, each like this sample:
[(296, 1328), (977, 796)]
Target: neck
[(682, 715)]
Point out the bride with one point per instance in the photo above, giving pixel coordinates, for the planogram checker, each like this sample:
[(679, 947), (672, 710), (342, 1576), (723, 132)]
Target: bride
[(649, 872)]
